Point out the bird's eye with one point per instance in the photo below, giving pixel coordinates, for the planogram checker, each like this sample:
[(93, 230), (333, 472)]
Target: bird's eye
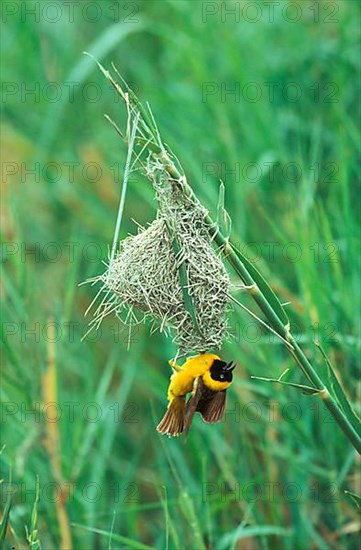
[(221, 376)]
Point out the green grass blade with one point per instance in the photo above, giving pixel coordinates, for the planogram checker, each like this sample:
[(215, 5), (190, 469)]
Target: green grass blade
[(305, 389), (183, 279), (130, 543), (355, 498), (223, 218), (5, 520), (340, 395), (264, 288), (102, 45), (244, 532)]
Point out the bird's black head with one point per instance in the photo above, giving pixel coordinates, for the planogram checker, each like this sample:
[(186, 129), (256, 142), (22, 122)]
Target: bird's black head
[(222, 371)]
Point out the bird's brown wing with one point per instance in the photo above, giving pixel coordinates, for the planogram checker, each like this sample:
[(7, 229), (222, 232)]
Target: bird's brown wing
[(210, 404), (212, 409), (192, 403)]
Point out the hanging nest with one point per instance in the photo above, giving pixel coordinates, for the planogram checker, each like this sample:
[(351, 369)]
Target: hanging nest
[(170, 272)]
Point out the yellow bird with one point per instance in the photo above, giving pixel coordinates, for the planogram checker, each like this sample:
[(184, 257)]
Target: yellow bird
[(208, 378)]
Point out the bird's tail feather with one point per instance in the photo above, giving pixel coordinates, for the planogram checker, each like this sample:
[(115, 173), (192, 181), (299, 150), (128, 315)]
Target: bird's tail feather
[(172, 423)]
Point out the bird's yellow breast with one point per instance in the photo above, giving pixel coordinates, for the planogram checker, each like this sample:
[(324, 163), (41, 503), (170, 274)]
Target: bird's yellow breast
[(182, 381)]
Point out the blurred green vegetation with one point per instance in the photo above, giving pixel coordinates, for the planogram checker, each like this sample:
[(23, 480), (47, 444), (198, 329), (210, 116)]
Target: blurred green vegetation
[(273, 474)]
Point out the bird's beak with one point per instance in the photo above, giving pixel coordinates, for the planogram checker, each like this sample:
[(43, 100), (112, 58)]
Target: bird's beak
[(229, 367)]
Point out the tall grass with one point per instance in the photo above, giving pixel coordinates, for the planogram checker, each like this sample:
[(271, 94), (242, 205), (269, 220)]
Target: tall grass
[(122, 485)]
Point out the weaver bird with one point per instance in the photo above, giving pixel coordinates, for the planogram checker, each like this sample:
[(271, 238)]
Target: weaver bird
[(208, 378)]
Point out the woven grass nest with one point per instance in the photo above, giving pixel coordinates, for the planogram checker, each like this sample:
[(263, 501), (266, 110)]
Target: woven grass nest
[(170, 273)]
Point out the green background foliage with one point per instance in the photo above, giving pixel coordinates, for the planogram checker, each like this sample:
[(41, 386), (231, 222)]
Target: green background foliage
[(274, 101)]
